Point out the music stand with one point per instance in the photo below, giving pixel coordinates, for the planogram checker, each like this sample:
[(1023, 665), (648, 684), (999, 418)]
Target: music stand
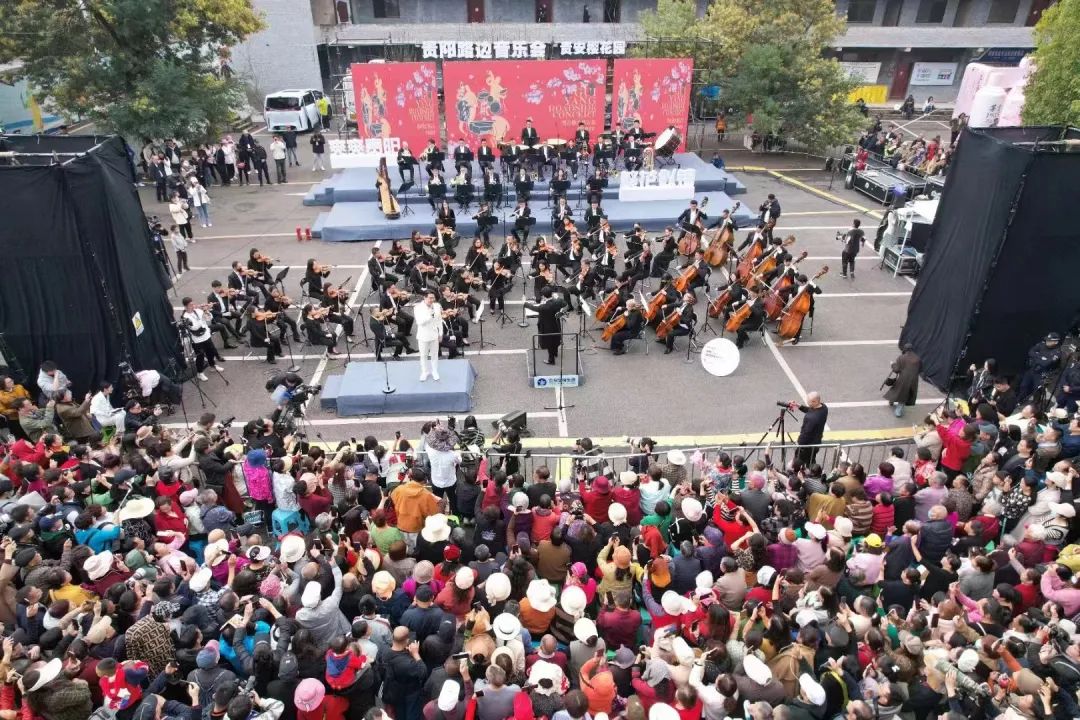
[(437, 196), (403, 192), (523, 189), (493, 193)]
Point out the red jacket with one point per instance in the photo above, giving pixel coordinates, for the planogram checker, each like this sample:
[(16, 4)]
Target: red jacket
[(596, 504), (954, 449), (629, 498)]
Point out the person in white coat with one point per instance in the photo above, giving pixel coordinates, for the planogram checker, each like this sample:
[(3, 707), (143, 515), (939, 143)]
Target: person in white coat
[(103, 411), (428, 316)]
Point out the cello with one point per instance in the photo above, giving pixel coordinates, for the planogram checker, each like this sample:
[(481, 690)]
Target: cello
[(669, 323), (796, 310), (687, 276), (614, 326), (716, 254), (655, 303), (774, 304), (387, 202), (768, 261), (605, 309), (721, 301)]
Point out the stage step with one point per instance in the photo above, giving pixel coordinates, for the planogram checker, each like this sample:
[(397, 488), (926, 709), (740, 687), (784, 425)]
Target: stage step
[(330, 390), (317, 226)]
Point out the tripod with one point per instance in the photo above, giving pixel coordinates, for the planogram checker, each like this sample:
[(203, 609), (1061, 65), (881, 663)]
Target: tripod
[(778, 430), (187, 348), (405, 209)]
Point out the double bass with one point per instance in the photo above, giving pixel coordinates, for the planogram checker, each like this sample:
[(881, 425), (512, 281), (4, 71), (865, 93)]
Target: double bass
[(716, 254), (768, 262), (387, 201), (690, 242), (795, 312), (774, 303), (746, 263)]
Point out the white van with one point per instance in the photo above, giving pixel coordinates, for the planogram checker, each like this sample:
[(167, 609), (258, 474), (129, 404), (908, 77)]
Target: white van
[(292, 107)]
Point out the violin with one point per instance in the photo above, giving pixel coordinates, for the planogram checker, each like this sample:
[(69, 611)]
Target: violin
[(321, 268), (263, 315), (774, 304), (264, 259), (605, 309), (281, 298), (398, 294), (318, 313), (797, 308)]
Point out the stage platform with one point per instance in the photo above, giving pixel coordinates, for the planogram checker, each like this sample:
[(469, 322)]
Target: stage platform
[(360, 390), (358, 184), (350, 221)]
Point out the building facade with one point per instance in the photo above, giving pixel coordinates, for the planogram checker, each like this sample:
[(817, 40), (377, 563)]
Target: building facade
[(895, 47)]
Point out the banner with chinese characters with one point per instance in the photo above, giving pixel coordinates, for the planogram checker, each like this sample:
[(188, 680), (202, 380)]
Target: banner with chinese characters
[(396, 100), (655, 91), (493, 100), (466, 50)]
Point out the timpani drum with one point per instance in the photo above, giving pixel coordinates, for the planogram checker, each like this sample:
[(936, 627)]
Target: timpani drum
[(667, 143)]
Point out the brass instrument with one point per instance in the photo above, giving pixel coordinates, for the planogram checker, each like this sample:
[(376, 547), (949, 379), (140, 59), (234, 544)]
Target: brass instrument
[(648, 158)]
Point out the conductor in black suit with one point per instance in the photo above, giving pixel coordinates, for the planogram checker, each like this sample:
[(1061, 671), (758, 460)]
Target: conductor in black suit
[(547, 323), (815, 416)]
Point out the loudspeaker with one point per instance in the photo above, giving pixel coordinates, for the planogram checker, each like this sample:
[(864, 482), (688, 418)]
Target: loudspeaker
[(516, 420), (999, 269)]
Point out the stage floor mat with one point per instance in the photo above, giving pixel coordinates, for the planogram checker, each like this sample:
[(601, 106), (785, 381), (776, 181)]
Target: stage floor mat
[(361, 388), (351, 221)]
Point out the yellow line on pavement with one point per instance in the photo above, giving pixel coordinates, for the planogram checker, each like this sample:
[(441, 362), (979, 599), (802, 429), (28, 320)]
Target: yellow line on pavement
[(808, 188)]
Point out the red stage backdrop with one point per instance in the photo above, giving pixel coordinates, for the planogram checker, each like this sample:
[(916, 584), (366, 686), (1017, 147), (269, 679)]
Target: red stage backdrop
[(493, 99), (655, 91), (397, 100)]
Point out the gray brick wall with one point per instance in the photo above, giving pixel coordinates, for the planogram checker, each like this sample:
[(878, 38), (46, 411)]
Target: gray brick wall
[(281, 56)]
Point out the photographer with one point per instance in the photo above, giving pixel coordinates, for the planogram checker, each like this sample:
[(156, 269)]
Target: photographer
[(136, 416), (196, 320), (213, 462)]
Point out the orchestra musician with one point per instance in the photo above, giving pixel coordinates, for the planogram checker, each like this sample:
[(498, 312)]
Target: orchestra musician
[(261, 264), (563, 230), (510, 254), (636, 132), (476, 259), (595, 187), (461, 301), (334, 299), (492, 185), (564, 183), (737, 295), (196, 318), (522, 184), (572, 259), (632, 153), (225, 317), (445, 240), (392, 299), (669, 293), (769, 210), (463, 156), (691, 220), (405, 162), (802, 282), (605, 262), (701, 279), (522, 215), (756, 319), (428, 315), (529, 136), (376, 265), (548, 327), (604, 234), (436, 187), (637, 267), (314, 275), (485, 156), (583, 284), (259, 333), (757, 235), (243, 280), (445, 215), (593, 215), (549, 157), (485, 220), (635, 322), (636, 239), (663, 259), (314, 319), (542, 276), (463, 189), (431, 156), (581, 137), (510, 154), (500, 280), (278, 303), (384, 336), (726, 221), (399, 257), (687, 320), (422, 276)]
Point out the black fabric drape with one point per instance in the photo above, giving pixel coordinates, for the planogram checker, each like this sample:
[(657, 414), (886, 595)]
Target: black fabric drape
[(79, 266)]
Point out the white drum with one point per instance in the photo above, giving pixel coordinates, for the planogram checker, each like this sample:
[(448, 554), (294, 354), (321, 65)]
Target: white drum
[(720, 357), (667, 142)]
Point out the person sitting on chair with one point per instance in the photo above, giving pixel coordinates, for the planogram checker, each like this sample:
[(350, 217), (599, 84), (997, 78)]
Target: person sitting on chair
[(634, 324), (317, 332), (259, 332), (687, 319), (384, 336)]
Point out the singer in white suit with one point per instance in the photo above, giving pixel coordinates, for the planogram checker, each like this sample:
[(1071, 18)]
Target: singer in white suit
[(428, 316)]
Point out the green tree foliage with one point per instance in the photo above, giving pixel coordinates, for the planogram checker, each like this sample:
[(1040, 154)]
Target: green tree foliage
[(1052, 96), (767, 57), (141, 68)]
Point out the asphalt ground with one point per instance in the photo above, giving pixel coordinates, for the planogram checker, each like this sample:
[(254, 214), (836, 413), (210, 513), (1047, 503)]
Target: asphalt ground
[(845, 357)]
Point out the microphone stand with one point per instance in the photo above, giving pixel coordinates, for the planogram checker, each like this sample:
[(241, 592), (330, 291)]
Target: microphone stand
[(388, 389)]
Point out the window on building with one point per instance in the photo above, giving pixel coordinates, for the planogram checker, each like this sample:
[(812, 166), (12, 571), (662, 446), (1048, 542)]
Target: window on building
[(386, 9), (861, 11), (1003, 11)]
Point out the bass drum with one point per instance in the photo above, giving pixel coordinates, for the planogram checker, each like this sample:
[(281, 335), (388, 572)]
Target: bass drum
[(667, 143)]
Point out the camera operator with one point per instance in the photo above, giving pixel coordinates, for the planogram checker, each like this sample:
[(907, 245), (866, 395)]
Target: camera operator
[(197, 319), (644, 454), (815, 416), (261, 433), (1042, 360), (136, 416), (214, 463)]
